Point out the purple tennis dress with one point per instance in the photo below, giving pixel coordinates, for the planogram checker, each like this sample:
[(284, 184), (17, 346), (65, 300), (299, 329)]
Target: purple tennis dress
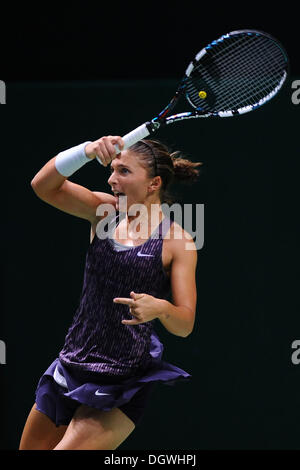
[(104, 363)]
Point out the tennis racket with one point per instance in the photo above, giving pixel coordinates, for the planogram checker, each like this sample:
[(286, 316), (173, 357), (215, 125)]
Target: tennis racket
[(233, 75)]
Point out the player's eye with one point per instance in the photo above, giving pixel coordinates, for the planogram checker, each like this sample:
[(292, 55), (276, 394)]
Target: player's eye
[(121, 170)]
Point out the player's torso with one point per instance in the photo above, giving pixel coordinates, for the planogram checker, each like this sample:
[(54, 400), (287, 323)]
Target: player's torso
[(118, 236)]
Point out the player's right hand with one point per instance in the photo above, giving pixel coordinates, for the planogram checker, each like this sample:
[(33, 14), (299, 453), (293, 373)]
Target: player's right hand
[(104, 148)]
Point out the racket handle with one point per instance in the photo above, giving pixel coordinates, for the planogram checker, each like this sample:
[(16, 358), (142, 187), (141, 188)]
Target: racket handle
[(132, 137)]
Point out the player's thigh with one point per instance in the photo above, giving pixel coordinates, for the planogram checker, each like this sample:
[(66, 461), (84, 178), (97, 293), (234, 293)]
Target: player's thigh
[(92, 429), (40, 433)]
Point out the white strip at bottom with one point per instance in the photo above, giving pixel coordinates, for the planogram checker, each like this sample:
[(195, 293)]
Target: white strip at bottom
[(59, 379)]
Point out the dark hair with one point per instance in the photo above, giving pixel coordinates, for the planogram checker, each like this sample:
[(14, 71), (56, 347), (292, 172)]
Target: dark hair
[(172, 167)]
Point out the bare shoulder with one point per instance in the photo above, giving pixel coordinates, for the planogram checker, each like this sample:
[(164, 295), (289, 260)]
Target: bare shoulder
[(180, 243)]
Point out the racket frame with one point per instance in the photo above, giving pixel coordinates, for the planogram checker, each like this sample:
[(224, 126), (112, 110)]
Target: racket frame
[(152, 126)]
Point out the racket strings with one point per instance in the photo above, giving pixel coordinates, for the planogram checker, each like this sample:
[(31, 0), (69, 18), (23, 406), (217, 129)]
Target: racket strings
[(235, 90), (243, 54), (237, 74), (265, 61), (238, 87)]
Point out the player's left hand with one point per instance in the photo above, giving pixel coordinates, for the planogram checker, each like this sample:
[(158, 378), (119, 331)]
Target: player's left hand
[(143, 307)]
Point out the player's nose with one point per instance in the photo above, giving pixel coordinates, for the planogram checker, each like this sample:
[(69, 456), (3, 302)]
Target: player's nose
[(112, 179)]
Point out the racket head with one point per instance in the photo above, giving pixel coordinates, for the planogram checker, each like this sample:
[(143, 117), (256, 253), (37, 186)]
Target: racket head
[(235, 74)]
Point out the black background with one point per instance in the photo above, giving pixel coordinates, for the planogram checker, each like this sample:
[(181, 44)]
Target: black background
[(75, 73), (125, 40)]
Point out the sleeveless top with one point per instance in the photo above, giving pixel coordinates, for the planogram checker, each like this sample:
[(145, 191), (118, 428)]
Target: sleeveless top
[(97, 341)]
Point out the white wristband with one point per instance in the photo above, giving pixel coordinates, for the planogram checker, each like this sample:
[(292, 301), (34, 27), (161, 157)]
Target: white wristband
[(69, 161)]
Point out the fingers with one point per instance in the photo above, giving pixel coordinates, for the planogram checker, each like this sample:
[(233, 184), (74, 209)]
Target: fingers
[(137, 318), (134, 312), (125, 301), (132, 304), (105, 151), (105, 148), (130, 322), (119, 142), (136, 296)]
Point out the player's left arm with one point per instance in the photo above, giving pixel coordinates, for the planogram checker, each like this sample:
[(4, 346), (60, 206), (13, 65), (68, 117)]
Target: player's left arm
[(178, 317)]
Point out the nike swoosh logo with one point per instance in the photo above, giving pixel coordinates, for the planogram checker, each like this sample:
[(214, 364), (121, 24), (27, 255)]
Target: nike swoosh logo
[(144, 254), (100, 393)]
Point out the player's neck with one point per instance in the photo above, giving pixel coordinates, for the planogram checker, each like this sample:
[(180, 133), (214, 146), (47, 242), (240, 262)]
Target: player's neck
[(151, 214)]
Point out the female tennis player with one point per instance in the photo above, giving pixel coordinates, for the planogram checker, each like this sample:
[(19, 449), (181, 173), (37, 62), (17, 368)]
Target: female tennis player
[(94, 394)]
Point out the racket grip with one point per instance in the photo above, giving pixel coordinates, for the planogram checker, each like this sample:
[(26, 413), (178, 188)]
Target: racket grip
[(131, 138)]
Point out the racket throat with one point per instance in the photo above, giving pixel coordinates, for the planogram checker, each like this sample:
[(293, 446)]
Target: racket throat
[(153, 125), (163, 114)]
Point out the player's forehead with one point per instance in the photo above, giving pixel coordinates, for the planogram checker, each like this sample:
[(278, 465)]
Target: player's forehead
[(126, 158)]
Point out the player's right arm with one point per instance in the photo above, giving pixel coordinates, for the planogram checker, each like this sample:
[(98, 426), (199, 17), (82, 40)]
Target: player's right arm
[(55, 189)]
